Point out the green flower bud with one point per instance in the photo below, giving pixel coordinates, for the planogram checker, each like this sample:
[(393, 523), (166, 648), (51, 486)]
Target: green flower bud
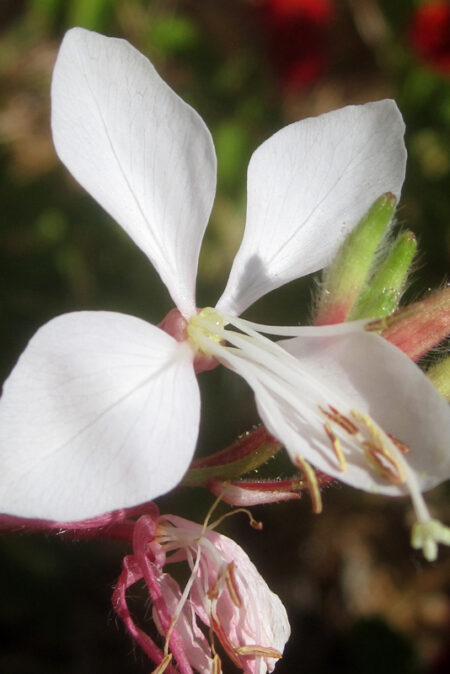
[(382, 295), (345, 278)]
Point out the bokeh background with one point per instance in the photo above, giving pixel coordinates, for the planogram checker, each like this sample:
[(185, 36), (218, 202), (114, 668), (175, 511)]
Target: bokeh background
[(359, 599)]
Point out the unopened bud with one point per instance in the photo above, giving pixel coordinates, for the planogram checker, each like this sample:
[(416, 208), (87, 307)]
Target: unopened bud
[(249, 452), (439, 374), (346, 276), (383, 294), (419, 327)]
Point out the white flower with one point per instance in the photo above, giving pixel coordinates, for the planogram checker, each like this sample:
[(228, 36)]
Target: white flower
[(102, 410)]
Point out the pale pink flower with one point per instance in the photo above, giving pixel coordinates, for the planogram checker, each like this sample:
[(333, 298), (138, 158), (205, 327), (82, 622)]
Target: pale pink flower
[(225, 593), (102, 410)]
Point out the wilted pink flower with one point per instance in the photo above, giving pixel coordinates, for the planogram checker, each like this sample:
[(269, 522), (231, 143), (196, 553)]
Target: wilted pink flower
[(225, 593)]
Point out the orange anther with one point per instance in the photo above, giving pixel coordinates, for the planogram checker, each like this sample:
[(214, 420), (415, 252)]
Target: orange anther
[(340, 419), (259, 651), (230, 580), (337, 448)]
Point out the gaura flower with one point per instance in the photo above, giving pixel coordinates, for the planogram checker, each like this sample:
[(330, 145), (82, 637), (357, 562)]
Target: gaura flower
[(225, 592), (102, 409)]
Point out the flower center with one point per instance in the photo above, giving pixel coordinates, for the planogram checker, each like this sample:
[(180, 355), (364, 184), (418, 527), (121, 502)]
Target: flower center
[(204, 327)]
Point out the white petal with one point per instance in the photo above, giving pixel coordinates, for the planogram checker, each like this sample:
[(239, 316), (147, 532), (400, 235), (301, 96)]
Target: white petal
[(356, 371), (141, 152), (101, 412), (308, 186)]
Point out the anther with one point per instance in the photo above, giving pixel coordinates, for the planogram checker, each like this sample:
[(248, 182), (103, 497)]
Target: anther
[(259, 651), (338, 418), (213, 592), (337, 447), (378, 452), (233, 590), (384, 464), (401, 446)]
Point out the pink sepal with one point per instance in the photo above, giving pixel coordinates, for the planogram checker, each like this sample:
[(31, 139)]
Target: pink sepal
[(244, 446), (146, 563), (175, 325), (132, 574), (248, 492), (114, 525), (418, 327), (149, 555), (257, 492)]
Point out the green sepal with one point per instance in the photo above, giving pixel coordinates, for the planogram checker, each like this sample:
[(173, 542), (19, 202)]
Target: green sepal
[(231, 470)]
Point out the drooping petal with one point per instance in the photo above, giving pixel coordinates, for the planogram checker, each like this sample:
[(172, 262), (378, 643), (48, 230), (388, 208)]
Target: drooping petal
[(138, 149), (336, 375), (308, 186), (101, 412)]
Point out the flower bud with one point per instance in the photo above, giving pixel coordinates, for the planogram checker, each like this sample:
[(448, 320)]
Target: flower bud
[(345, 278), (439, 374), (418, 327), (383, 294)]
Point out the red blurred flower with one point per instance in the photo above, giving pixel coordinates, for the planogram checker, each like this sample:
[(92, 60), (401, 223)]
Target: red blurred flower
[(297, 37), (430, 35)]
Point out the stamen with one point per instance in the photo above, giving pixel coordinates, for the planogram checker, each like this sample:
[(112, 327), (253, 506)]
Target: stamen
[(271, 369), (216, 665), (297, 330), (259, 651), (209, 514), (181, 603), (165, 662), (402, 446), (379, 448), (255, 524), (337, 447), (384, 464), (228, 645), (340, 419), (207, 323), (311, 480), (213, 591), (233, 589)]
